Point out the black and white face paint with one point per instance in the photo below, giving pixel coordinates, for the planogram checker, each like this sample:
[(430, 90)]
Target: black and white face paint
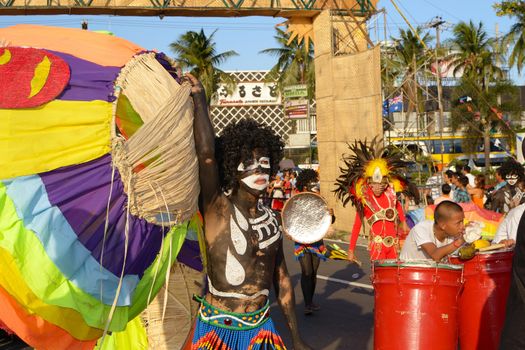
[(511, 179), (258, 180), (263, 162), (313, 187)]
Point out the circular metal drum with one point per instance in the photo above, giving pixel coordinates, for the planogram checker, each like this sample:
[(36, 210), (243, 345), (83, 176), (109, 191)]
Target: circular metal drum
[(416, 305), (306, 218), (483, 300)]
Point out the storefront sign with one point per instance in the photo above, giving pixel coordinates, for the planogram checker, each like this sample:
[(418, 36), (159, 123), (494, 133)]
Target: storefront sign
[(248, 94)]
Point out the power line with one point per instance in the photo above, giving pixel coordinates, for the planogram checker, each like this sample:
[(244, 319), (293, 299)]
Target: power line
[(209, 25), (440, 9)]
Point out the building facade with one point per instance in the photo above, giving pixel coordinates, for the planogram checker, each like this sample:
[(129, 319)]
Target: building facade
[(256, 98)]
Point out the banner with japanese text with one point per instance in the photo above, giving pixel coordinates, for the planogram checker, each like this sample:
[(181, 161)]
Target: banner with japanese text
[(248, 94)]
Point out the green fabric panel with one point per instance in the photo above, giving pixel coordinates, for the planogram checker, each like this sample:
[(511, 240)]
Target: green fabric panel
[(43, 277), (127, 119), (140, 297), (49, 285)]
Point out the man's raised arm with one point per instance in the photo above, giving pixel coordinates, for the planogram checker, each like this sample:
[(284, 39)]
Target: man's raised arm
[(204, 144)]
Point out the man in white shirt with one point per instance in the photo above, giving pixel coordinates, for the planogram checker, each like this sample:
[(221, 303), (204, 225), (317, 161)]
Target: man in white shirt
[(471, 178), (436, 239), (433, 184), (508, 228)]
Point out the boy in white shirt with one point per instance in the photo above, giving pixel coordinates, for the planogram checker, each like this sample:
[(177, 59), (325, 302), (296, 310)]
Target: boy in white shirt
[(436, 239)]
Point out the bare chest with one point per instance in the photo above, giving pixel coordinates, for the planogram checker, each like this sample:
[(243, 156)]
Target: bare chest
[(243, 257)]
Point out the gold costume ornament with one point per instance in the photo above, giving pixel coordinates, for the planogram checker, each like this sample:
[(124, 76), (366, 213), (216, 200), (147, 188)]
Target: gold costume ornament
[(369, 164)]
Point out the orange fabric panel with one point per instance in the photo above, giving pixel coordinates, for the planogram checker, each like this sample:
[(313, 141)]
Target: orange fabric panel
[(103, 49), (35, 331)]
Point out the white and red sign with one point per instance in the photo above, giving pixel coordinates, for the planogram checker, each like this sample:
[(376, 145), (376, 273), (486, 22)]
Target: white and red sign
[(296, 109), (248, 94)]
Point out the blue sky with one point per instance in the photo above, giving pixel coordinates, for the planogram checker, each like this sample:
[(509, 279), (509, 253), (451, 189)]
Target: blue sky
[(249, 35)]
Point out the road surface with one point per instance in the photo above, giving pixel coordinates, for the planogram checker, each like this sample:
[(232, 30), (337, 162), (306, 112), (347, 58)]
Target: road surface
[(346, 318)]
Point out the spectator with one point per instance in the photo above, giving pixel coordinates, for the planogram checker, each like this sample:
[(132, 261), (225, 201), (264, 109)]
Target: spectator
[(447, 178), (445, 190), (433, 184), (460, 194), (287, 186), (477, 193), (293, 180), (471, 178), (277, 193)]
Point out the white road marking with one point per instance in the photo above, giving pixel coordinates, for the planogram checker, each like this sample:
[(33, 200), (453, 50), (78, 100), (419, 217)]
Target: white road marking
[(354, 284), (343, 242)]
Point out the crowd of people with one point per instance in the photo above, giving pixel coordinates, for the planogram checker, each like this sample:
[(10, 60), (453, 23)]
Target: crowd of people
[(461, 186), (282, 186)]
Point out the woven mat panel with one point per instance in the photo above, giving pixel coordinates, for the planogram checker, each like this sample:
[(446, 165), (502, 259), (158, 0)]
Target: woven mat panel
[(181, 309), (271, 116), (158, 163)]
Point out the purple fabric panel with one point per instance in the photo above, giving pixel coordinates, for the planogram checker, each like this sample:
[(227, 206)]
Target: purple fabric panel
[(88, 81), (190, 255), (161, 58), (81, 192)]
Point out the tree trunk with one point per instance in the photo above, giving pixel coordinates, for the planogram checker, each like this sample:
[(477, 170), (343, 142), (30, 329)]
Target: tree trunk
[(486, 144)]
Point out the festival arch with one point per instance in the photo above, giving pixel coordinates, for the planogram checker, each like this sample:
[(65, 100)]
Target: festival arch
[(347, 64)]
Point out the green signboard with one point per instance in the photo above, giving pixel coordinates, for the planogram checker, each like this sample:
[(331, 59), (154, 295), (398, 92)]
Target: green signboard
[(294, 91)]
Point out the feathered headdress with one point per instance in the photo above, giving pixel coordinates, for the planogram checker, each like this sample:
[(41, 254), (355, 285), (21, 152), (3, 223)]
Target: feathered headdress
[(368, 161)]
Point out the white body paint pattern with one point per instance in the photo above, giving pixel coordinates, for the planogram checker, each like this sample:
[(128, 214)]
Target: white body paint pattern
[(241, 219), (267, 228), (268, 231), (218, 293), (235, 273), (238, 238)]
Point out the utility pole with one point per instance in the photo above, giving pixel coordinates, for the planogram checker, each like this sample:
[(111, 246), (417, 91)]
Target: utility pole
[(436, 23)]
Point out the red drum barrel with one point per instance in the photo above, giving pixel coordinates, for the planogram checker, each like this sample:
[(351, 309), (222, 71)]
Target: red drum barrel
[(416, 305), (484, 299)]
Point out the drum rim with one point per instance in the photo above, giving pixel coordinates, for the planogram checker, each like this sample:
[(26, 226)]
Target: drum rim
[(499, 251), (425, 263), (289, 201)]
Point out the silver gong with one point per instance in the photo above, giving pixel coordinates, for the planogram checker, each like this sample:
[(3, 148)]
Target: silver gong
[(306, 218)]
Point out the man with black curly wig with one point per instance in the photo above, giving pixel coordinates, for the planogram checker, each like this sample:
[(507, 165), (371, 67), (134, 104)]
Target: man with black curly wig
[(509, 195), (243, 237)]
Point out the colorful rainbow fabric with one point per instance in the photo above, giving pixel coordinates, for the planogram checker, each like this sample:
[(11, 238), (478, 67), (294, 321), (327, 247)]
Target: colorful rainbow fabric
[(73, 260)]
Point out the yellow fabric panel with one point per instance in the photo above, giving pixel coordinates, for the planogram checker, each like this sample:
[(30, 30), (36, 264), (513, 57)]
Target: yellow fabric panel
[(102, 49), (67, 319), (51, 136), (133, 337)]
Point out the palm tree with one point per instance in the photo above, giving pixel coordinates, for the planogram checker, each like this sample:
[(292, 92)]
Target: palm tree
[(405, 62), (485, 111), (295, 62), (516, 34), (196, 52), (475, 54)]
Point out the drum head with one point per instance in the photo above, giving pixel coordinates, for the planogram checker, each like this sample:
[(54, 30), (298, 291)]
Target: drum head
[(306, 218), (415, 263)]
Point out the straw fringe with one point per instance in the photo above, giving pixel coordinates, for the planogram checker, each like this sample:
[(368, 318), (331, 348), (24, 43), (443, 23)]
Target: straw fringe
[(178, 307), (162, 151)]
